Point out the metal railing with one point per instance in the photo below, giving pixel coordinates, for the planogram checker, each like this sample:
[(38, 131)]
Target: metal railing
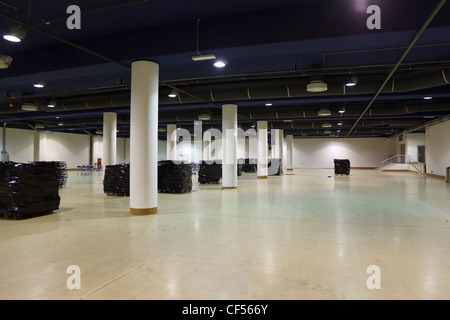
[(404, 159)]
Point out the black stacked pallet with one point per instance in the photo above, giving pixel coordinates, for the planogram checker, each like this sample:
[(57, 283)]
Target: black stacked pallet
[(62, 173), (250, 165), (117, 180), (209, 172), (174, 177), (341, 166), (30, 189)]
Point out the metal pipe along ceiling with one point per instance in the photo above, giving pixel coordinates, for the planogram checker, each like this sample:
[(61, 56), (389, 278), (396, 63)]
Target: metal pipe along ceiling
[(263, 89)]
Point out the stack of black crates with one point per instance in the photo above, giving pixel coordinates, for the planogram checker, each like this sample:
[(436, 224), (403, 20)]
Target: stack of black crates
[(210, 172), (117, 180), (174, 177), (30, 189), (341, 167)]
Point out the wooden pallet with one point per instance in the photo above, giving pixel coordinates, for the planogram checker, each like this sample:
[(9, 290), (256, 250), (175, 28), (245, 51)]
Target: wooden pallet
[(118, 194)]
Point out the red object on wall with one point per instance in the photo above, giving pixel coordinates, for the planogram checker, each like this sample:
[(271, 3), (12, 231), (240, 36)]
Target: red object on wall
[(99, 161)]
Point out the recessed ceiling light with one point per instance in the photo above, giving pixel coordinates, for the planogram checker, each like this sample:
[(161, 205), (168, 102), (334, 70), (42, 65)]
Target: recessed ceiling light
[(352, 81), (220, 63), (427, 98), (52, 104), (16, 34), (173, 94), (342, 110), (40, 84), (269, 104)]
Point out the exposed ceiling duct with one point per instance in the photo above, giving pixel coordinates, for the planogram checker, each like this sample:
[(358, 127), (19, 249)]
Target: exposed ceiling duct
[(265, 89)]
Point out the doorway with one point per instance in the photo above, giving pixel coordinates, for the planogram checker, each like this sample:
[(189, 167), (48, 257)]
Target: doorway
[(421, 154)]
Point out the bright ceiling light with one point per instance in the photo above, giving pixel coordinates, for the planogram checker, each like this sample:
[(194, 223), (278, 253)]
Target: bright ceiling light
[(40, 84), (52, 104), (342, 110), (220, 63), (427, 98), (173, 94), (269, 104), (340, 123), (16, 34), (317, 86), (352, 81)]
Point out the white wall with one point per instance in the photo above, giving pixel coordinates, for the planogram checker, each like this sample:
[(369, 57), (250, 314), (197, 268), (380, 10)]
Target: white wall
[(320, 153), (413, 140), (19, 144), (122, 149), (437, 139), (55, 146), (71, 148)]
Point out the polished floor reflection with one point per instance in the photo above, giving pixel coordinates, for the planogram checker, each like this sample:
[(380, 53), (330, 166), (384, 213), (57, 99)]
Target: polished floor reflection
[(309, 235)]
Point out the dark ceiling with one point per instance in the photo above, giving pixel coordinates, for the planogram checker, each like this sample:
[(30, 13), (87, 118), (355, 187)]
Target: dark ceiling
[(274, 49)]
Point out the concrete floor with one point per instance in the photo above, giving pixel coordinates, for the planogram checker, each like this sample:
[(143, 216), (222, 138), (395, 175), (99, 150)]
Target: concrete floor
[(305, 236)]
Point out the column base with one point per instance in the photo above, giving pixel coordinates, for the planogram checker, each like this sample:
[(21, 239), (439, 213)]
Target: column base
[(290, 172), (262, 177), (143, 212), (229, 188)]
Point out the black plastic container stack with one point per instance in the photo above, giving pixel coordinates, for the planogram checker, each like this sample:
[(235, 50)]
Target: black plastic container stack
[(174, 177), (29, 189), (117, 179), (342, 166), (209, 172), (250, 165)]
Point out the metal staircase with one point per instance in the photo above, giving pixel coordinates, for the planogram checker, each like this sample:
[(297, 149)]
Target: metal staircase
[(404, 159)]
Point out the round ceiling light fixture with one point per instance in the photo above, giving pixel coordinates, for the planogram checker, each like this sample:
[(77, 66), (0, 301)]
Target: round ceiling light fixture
[(220, 63), (353, 81), (40, 84), (317, 86), (16, 34)]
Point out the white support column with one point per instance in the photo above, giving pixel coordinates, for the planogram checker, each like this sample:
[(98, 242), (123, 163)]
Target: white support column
[(207, 146), (172, 142), (109, 139), (290, 153), (144, 138), (37, 146), (275, 154), (262, 167), (229, 146), (198, 142), (281, 143)]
